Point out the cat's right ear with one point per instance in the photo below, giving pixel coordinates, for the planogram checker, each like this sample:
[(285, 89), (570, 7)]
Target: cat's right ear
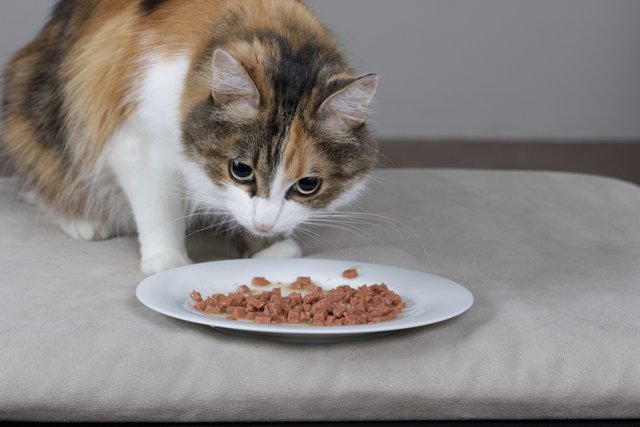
[(232, 87)]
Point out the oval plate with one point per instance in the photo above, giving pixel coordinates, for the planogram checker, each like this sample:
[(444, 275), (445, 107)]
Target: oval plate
[(429, 298)]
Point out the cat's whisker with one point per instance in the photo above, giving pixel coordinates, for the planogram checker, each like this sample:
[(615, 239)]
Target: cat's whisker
[(316, 236), (349, 228), (393, 223), (194, 199), (321, 221), (232, 229), (389, 184), (199, 230), (180, 191), (229, 221), (344, 227), (359, 216), (212, 214), (352, 218), (373, 222)]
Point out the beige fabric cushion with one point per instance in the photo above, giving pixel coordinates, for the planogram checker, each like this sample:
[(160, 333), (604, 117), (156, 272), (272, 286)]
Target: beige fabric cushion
[(552, 259)]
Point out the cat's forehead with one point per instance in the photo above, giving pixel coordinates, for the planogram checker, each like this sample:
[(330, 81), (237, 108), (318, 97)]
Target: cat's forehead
[(299, 154), (288, 155)]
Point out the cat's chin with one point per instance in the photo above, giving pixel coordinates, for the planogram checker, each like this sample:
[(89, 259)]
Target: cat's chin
[(261, 234), (268, 234)]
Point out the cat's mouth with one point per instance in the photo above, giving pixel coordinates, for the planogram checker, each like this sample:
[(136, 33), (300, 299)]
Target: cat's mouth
[(263, 230), (258, 232)]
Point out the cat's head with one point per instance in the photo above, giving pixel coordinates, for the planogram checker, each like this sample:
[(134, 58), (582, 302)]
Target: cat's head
[(280, 141)]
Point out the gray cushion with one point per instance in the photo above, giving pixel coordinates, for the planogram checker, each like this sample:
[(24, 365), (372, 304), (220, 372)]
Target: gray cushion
[(553, 260)]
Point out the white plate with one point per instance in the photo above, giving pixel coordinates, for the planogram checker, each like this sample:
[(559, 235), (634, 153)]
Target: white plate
[(429, 298)]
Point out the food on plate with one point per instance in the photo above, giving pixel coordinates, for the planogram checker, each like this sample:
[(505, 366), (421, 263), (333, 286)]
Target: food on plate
[(350, 273), (301, 282), (342, 305), (260, 281)]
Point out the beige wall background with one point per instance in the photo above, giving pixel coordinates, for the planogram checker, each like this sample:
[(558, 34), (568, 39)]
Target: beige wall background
[(477, 69)]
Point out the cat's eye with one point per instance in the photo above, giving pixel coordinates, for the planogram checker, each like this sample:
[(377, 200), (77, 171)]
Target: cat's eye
[(308, 185), (241, 172)]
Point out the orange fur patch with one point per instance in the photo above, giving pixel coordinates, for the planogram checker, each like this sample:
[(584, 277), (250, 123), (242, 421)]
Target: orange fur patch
[(298, 156), (100, 72), (43, 170)]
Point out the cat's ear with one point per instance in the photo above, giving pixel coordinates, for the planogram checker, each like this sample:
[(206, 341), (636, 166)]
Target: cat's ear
[(347, 108), (231, 86)]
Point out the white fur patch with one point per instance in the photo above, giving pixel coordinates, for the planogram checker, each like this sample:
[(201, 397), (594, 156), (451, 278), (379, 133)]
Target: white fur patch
[(83, 230), (349, 195), (287, 248), (144, 156), (261, 216)]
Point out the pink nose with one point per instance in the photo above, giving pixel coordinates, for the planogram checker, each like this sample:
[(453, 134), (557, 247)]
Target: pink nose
[(264, 227)]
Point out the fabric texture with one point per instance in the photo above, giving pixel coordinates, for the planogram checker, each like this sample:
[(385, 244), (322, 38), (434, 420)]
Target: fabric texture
[(553, 261)]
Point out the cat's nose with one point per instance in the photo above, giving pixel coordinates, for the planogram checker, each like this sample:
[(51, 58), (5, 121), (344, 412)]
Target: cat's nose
[(265, 214), (264, 227)]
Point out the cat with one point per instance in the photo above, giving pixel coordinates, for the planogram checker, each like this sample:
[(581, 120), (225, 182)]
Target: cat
[(138, 116)]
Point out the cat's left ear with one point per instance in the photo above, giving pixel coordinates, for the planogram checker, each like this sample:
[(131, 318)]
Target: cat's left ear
[(347, 108), (231, 86)]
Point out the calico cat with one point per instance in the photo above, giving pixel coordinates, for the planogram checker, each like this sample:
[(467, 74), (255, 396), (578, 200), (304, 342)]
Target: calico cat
[(126, 116)]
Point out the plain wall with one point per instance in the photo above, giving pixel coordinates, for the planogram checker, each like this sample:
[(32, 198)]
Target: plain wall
[(549, 69)]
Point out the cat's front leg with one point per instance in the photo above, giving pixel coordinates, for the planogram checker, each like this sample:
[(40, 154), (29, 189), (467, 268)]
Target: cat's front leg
[(151, 183)]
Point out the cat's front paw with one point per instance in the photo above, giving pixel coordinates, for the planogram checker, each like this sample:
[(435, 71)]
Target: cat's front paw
[(287, 248), (84, 230), (163, 261)]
